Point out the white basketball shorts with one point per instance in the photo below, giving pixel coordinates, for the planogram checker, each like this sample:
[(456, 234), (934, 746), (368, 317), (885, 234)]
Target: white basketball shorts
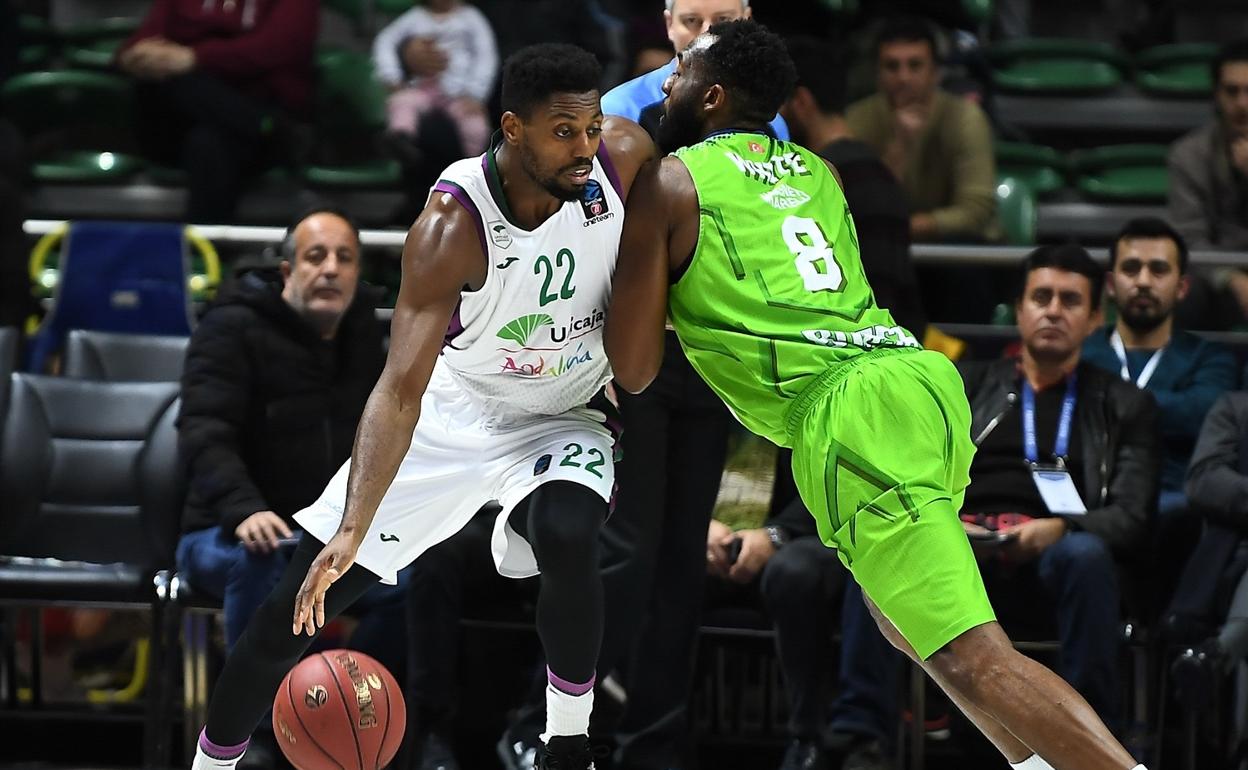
[(455, 466)]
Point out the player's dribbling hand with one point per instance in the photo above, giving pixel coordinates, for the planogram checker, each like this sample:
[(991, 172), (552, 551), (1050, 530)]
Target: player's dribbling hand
[(330, 564)]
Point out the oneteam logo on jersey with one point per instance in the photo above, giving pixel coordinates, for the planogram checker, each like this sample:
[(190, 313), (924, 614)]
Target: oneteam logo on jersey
[(594, 204), (785, 197), (499, 234)]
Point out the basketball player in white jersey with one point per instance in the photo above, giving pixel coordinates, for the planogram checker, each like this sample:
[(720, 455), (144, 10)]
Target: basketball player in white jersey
[(489, 393)]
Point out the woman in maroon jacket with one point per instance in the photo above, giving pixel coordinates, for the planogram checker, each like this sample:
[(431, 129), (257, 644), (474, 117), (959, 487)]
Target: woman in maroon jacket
[(220, 81)]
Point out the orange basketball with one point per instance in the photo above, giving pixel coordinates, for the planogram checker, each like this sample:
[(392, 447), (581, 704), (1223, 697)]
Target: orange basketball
[(339, 710)]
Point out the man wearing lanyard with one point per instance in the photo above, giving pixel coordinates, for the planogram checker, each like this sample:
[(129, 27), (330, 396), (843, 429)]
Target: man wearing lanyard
[(1064, 481), (1186, 374), (1147, 278)]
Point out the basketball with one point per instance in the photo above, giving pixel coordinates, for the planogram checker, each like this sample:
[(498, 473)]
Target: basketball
[(339, 710)]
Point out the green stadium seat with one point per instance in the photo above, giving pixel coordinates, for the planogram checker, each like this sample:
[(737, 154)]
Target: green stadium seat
[(84, 166), (1042, 168), (1056, 66), (64, 101), (95, 54), (114, 28), (1124, 172), (1181, 69), (980, 11), (33, 28), (351, 110), (1016, 209), (31, 57)]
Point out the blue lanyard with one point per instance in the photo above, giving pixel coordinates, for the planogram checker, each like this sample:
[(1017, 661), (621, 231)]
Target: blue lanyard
[(1062, 444)]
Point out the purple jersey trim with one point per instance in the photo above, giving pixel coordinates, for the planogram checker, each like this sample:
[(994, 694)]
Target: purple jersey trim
[(604, 157), (459, 194)]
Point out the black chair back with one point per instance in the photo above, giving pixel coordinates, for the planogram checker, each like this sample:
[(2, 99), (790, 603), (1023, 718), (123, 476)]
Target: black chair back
[(89, 471), (112, 357)]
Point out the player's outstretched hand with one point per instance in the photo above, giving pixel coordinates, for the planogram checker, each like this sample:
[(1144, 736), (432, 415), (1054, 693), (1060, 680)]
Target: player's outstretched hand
[(330, 564)]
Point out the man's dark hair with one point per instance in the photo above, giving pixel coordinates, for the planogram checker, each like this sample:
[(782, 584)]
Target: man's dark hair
[(1149, 227), (751, 62), (821, 68), (1233, 52), (537, 72), (288, 239), (907, 29), (1070, 257)]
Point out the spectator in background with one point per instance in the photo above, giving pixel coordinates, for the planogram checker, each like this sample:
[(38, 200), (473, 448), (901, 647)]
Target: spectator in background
[(1147, 279), (439, 56), (938, 146), (276, 378), (641, 99), (1214, 591), (1101, 432), (220, 84), (815, 114), (1208, 197)]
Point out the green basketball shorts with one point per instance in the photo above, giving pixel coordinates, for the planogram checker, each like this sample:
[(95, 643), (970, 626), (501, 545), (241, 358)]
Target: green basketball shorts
[(881, 457)]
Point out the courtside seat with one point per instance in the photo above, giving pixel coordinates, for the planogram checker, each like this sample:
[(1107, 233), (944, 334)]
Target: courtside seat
[(90, 500), (94, 54), (1016, 209), (109, 357)]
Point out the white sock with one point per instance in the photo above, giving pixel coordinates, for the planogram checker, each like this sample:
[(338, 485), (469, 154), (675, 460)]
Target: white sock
[(205, 761), (1034, 762), (567, 714)]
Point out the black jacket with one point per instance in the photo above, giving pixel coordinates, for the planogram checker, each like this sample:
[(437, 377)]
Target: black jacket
[(1117, 424), (1216, 483), (269, 409)]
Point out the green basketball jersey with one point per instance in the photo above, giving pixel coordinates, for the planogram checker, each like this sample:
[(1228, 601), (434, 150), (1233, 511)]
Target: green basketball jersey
[(775, 293)]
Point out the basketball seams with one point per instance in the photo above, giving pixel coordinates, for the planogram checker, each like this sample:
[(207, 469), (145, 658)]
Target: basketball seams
[(381, 745), (359, 752), (294, 710)]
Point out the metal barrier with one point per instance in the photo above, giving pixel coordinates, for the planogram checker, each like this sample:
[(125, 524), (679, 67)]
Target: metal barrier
[(922, 253)]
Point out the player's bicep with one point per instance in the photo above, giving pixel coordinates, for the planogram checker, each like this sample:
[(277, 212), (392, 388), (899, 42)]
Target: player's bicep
[(442, 256), (634, 334)]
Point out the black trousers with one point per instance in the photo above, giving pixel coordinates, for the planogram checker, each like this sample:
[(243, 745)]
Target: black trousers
[(654, 554), (217, 134)]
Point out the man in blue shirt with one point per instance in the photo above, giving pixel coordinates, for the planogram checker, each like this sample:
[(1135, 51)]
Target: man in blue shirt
[(1186, 374), (641, 99)]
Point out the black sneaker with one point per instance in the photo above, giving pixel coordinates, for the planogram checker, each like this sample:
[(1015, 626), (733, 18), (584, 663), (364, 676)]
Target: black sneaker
[(565, 752), (867, 756), (804, 755)]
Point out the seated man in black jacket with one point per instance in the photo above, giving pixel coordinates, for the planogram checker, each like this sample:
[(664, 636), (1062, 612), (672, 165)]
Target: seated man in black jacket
[(275, 381)]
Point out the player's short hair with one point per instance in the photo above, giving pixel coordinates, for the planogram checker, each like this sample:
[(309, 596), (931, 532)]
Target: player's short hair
[(1149, 227), (1070, 257), (672, 3), (907, 29), (537, 72), (752, 63), (288, 239), (1233, 52), (821, 68)]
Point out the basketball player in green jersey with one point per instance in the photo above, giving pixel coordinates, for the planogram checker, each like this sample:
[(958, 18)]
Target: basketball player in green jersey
[(747, 243)]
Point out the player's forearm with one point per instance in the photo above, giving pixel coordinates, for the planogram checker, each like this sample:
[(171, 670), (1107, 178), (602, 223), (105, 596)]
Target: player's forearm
[(381, 441)]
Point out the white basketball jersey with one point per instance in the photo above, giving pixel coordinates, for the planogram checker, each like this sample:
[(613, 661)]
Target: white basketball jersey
[(529, 341)]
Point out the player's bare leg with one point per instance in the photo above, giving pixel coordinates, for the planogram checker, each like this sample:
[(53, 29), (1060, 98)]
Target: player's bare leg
[(1030, 705)]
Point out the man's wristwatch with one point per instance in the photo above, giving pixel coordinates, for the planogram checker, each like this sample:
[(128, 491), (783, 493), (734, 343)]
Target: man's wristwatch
[(777, 537)]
